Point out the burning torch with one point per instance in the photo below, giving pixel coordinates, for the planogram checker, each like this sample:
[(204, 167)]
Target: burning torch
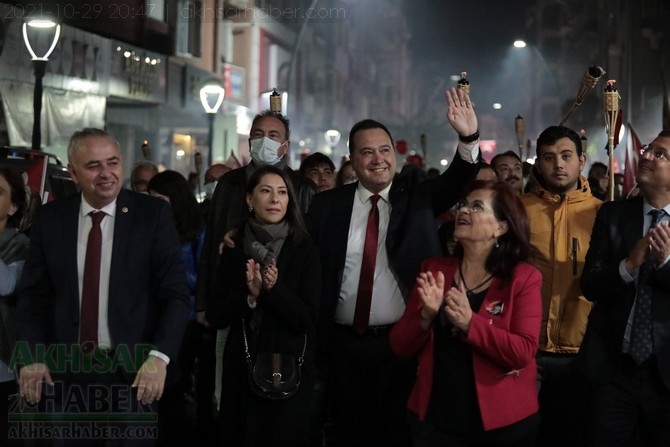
[(589, 81), (520, 128)]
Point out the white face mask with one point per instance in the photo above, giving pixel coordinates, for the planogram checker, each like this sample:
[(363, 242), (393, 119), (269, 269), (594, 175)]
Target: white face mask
[(209, 190), (264, 150)]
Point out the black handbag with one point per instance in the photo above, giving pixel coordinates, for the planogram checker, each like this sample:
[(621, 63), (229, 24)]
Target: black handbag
[(276, 375)]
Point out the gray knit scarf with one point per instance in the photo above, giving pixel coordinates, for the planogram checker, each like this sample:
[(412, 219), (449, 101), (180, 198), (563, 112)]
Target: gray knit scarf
[(263, 242)]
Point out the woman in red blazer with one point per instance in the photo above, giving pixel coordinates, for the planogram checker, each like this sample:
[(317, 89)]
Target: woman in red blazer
[(473, 322)]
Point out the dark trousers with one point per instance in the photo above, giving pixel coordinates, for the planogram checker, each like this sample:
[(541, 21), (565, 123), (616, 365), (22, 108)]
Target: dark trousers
[(632, 409), (318, 415), (519, 434), (187, 406), (368, 387), (563, 396)]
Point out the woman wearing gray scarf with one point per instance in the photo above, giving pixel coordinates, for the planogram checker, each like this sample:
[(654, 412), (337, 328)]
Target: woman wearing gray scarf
[(13, 253), (270, 282)]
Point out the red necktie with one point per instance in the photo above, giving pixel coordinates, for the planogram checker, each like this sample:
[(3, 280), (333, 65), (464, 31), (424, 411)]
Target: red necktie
[(364, 297), (88, 325)]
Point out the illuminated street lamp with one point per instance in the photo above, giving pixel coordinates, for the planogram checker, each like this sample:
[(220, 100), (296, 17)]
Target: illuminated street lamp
[(332, 137), (542, 94), (539, 55), (39, 30), (211, 97)]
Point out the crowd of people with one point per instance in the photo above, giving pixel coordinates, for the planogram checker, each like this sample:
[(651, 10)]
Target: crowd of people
[(329, 308)]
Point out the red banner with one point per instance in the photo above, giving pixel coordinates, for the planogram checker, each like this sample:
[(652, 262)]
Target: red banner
[(633, 149)]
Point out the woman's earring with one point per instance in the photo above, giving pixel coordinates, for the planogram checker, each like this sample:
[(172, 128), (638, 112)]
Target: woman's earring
[(251, 209), (497, 244)]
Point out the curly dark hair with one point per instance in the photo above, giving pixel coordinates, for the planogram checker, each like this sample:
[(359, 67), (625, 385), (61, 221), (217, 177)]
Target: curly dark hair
[(185, 207), (514, 246), (17, 193)]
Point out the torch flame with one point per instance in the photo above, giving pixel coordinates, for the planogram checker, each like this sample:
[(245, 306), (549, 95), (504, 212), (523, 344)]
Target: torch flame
[(463, 83)]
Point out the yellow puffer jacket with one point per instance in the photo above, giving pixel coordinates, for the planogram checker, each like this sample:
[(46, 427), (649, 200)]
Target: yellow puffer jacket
[(560, 228)]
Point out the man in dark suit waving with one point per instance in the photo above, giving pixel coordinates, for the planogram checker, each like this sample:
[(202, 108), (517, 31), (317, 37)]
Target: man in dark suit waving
[(372, 236), (103, 291), (626, 348)]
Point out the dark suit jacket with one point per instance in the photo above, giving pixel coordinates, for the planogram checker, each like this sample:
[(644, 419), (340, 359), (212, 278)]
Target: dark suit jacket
[(617, 227), (412, 232), (148, 297)]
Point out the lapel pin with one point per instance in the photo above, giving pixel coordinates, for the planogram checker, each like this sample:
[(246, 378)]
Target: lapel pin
[(124, 209), (495, 308)]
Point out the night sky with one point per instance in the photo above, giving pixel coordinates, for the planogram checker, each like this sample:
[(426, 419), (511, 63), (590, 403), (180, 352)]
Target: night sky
[(467, 34), (476, 36)]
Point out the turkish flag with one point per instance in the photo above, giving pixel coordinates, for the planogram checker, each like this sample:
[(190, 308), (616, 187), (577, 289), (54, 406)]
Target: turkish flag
[(633, 149)]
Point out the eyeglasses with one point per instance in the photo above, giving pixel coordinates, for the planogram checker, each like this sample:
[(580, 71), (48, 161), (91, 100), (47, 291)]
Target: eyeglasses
[(656, 152), (474, 207)]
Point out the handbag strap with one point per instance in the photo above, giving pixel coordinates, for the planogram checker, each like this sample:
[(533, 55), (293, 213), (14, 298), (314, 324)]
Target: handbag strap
[(246, 344), (247, 354), (301, 359)]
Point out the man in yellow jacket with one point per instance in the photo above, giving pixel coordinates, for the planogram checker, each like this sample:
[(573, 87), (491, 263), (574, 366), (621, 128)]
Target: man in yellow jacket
[(561, 210)]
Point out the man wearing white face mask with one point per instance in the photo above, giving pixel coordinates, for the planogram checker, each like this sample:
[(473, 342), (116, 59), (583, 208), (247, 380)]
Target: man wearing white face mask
[(265, 150), (212, 176)]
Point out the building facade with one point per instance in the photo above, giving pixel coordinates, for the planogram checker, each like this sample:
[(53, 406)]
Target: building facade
[(136, 67)]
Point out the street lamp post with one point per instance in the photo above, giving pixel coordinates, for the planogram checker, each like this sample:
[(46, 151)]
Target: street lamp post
[(211, 97), (39, 68)]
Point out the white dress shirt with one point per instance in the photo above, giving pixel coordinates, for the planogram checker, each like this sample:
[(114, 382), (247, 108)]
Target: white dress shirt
[(468, 151), (387, 302), (107, 227)]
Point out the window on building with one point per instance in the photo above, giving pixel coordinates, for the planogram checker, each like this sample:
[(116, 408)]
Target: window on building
[(155, 9), (189, 28)]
